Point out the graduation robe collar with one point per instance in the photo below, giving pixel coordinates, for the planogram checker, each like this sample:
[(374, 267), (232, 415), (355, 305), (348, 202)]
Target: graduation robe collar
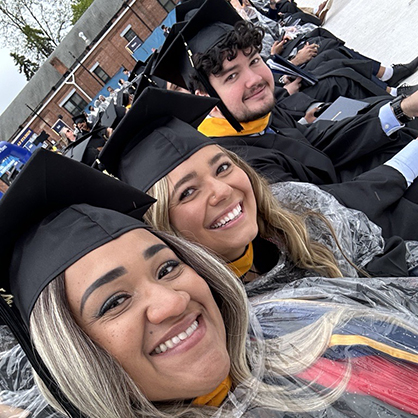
[(218, 127), (243, 264), (216, 397)]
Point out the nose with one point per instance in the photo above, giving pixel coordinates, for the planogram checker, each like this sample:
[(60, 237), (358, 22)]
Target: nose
[(219, 192), (165, 302), (252, 79)]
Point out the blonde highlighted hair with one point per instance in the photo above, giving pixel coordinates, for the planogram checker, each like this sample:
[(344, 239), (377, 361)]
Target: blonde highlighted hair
[(274, 222), (92, 379), (100, 388)]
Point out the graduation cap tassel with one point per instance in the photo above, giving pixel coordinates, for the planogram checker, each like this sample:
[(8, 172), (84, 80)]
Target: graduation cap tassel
[(13, 320), (212, 92), (151, 82)]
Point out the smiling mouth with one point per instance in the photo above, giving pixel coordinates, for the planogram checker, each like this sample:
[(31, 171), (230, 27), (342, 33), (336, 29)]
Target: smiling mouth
[(177, 339), (256, 92), (234, 214)]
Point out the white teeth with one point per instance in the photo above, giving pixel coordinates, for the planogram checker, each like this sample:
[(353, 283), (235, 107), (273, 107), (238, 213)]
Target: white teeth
[(172, 342), (228, 218)]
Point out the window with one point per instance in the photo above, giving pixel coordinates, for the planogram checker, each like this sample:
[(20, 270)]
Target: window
[(75, 104), (129, 34), (168, 5), (101, 73)]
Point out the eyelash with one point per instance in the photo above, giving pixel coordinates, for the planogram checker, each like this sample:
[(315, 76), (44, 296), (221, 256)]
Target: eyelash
[(186, 193), (189, 191), (169, 265), (227, 164), (112, 304), (231, 77), (116, 300)]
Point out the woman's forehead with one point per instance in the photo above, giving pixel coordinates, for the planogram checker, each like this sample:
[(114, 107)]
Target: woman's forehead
[(130, 245), (202, 156)]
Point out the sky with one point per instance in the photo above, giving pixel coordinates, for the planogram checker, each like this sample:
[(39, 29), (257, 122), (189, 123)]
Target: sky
[(11, 81)]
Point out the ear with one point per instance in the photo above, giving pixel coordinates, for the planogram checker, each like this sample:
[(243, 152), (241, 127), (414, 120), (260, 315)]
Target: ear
[(215, 112), (200, 93)]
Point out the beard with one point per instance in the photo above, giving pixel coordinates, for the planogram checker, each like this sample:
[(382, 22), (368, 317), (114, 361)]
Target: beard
[(250, 115)]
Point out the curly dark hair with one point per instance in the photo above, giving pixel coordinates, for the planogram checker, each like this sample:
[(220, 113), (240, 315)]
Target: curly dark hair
[(244, 37)]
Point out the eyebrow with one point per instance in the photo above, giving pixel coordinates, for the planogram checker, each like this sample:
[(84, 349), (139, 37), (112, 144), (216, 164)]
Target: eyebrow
[(154, 249), (216, 158), (234, 67), (193, 174), (106, 278), (226, 71), (116, 273), (183, 180)]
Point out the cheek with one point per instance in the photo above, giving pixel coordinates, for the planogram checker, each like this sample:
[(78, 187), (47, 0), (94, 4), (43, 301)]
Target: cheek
[(230, 93), (120, 340), (243, 182), (188, 217), (268, 76)]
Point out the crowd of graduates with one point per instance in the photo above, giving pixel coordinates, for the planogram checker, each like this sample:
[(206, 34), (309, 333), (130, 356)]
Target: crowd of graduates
[(234, 234)]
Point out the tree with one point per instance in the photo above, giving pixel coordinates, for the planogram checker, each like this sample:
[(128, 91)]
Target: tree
[(32, 29), (27, 67), (79, 7), (36, 41)]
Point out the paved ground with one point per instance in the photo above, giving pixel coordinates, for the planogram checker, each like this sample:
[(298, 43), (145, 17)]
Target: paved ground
[(385, 30)]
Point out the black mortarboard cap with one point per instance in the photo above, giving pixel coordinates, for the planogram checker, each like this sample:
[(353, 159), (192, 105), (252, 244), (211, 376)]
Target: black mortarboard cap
[(82, 149), (113, 114), (122, 98), (204, 28), (46, 224), (79, 118), (155, 136), (174, 31), (145, 79), (45, 234), (183, 9), (138, 68)]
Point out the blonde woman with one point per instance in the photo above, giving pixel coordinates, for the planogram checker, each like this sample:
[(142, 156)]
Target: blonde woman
[(131, 323), (210, 196)]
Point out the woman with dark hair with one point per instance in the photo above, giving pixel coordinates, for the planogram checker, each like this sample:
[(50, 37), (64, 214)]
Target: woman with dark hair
[(126, 322)]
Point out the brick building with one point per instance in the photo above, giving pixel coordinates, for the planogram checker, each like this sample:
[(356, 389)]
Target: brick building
[(89, 59)]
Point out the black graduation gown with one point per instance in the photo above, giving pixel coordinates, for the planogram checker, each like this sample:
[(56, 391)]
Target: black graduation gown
[(337, 76), (321, 36), (344, 158), (293, 13)]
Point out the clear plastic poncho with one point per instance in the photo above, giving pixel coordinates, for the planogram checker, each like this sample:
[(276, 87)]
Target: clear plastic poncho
[(273, 30), (335, 348), (285, 311), (360, 239), (19, 396)]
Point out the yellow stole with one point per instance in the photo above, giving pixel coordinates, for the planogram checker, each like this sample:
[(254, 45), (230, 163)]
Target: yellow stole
[(244, 263), (216, 397), (217, 127)]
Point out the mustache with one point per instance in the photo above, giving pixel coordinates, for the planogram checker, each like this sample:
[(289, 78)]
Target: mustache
[(255, 89)]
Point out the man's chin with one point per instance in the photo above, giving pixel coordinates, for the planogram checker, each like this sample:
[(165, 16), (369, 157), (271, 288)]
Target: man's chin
[(255, 116), (251, 116)]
